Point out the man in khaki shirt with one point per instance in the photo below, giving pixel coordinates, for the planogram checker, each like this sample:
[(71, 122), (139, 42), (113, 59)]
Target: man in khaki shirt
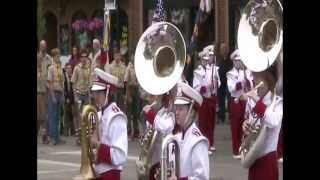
[(81, 82), (43, 62), (56, 96), (118, 68), (132, 99)]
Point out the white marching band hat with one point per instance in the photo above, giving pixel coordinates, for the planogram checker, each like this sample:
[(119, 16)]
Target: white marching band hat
[(104, 79), (186, 94), (207, 52), (235, 55), (98, 86)]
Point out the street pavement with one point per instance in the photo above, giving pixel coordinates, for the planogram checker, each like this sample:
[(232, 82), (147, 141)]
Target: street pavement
[(62, 162)]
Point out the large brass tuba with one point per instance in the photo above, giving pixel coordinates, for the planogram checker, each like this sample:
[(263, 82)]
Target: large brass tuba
[(259, 42), (159, 60), (89, 124)]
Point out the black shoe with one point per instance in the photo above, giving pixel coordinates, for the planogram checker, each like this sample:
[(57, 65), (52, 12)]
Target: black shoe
[(60, 141)]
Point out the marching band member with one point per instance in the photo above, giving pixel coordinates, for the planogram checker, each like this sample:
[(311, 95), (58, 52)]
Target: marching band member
[(206, 81), (159, 115), (112, 148), (238, 81), (279, 91), (267, 105), (194, 161)]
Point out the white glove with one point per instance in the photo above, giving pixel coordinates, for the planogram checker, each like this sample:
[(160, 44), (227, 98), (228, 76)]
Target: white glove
[(164, 121)]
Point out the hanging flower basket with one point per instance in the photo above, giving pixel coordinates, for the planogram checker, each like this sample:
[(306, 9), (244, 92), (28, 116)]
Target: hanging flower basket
[(96, 24), (80, 25)]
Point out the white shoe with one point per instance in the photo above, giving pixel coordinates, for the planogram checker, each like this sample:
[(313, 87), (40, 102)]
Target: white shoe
[(236, 156), (210, 153), (212, 148), (280, 160)]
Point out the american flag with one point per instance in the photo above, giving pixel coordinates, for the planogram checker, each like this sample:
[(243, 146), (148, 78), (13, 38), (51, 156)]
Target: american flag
[(159, 14)]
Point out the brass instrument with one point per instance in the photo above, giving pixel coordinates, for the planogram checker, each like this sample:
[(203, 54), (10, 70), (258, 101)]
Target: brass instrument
[(159, 61), (253, 142), (259, 42), (146, 143), (160, 58), (260, 34), (88, 125), (168, 167)]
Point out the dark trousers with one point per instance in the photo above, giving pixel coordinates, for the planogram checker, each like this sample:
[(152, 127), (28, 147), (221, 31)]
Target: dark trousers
[(222, 91), (133, 107), (68, 121), (119, 98), (80, 101)]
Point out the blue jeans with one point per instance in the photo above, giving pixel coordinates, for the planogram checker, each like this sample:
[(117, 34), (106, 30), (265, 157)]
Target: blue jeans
[(54, 111)]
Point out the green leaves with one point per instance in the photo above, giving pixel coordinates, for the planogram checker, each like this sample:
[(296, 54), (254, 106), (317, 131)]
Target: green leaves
[(41, 23)]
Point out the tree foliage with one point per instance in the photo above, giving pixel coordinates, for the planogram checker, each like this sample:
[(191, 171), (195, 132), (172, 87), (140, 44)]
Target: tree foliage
[(41, 24)]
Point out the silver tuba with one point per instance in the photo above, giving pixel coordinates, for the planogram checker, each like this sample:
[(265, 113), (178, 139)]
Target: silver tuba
[(259, 42), (159, 61)]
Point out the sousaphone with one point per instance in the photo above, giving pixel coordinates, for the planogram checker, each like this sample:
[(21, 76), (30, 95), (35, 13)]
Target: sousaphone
[(160, 58), (159, 61), (260, 42)]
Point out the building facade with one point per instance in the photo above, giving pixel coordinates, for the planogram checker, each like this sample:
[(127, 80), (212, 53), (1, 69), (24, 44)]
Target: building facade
[(130, 20)]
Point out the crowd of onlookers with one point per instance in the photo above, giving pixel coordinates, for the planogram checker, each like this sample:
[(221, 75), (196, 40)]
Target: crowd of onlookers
[(62, 91)]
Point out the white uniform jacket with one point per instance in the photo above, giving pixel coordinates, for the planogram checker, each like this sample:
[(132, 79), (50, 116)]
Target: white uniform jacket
[(203, 77), (163, 124), (113, 134), (194, 159), (233, 77), (271, 115)]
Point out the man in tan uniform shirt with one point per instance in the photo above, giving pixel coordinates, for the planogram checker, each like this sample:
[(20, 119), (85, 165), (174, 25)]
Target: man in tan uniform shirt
[(118, 68), (132, 99), (43, 62), (81, 82)]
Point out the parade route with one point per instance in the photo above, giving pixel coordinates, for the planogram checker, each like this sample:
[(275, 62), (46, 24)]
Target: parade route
[(62, 162)]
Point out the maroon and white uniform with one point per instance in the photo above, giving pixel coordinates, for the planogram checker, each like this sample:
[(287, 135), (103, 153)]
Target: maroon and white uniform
[(163, 123), (206, 81), (236, 85), (194, 159), (270, 112), (194, 147), (113, 150)]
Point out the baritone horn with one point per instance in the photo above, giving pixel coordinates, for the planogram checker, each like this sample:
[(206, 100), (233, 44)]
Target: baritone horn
[(260, 43), (169, 166), (89, 124), (159, 61)]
